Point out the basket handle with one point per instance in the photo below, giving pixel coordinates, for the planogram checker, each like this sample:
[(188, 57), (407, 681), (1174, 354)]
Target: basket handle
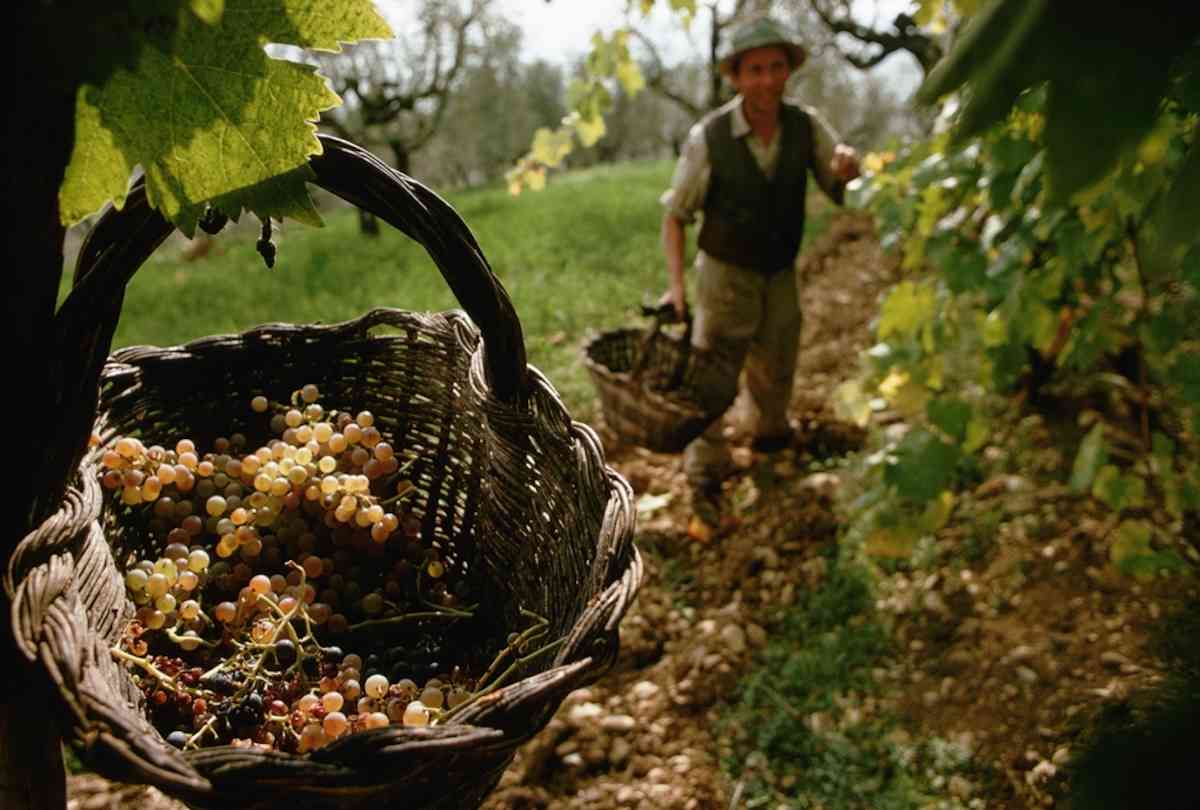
[(664, 314), (123, 239), (360, 178)]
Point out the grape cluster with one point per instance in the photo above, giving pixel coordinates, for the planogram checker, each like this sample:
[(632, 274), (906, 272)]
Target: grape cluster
[(272, 561)]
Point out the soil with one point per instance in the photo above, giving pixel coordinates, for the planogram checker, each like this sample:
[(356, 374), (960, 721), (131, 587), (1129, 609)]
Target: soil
[(1006, 655)]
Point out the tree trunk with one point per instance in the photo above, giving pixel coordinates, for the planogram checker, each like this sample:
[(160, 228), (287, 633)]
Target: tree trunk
[(402, 156), (31, 765), (714, 53), (368, 225)]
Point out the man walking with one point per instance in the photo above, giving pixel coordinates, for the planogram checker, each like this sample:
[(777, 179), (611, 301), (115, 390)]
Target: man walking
[(745, 169)]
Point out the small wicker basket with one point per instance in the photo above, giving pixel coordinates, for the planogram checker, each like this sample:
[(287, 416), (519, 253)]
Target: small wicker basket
[(505, 482), (648, 382)]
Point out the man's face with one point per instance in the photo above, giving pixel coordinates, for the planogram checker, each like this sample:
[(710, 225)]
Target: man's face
[(761, 76)]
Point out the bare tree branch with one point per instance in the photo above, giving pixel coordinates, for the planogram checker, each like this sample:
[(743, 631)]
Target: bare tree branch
[(405, 93), (905, 35), (656, 78)]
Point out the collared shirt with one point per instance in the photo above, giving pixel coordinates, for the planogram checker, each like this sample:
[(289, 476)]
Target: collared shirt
[(690, 183)]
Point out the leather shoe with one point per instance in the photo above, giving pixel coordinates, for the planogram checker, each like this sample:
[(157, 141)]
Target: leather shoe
[(772, 443)]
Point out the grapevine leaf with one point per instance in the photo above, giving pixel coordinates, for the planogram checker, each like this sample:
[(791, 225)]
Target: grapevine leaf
[(1133, 555), (951, 415), (924, 466), (937, 513), (1041, 325), (1191, 267), (590, 130), (209, 115), (1118, 491), (551, 146), (962, 264), (629, 74), (1091, 456), (978, 432), (903, 393), (892, 542), (1131, 546), (208, 10), (995, 329), (988, 46), (1187, 79), (907, 307), (1185, 373), (1176, 220), (851, 403), (1106, 59)]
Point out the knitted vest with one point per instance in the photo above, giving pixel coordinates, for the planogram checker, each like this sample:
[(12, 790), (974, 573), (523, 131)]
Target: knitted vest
[(749, 220)]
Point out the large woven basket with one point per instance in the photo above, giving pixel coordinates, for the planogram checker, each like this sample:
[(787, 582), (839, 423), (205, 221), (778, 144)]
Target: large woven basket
[(649, 384), (505, 482)]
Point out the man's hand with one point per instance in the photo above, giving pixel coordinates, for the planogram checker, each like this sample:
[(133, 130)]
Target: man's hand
[(844, 164), (677, 298)]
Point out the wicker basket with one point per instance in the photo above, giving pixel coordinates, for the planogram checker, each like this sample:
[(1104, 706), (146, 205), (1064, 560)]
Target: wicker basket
[(648, 382), (506, 482)]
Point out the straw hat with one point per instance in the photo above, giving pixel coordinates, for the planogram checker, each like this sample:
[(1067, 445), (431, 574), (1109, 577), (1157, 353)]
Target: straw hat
[(758, 33)]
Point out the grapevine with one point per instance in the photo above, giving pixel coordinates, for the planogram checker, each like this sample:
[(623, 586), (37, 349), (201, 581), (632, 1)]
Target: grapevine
[(1010, 293)]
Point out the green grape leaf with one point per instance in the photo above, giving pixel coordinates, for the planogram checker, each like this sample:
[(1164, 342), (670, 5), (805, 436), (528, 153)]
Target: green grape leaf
[(951, 415), (1190, 268), (1185, 373), (629, 74), (1130, 550), (1118, 491), (551, 146), (1133, 555), (1176, 217), (990, 43), (937, 513), (1164, 330), (923, 467), (209, 116), (892, 542), (1091, 456), (995, 329), (208, 10), (1095, 335), (590, 130), (1040, 325), (908, 307), (962, 264), (1187, 79), (851, 403), (978, 432), (1087, 78)]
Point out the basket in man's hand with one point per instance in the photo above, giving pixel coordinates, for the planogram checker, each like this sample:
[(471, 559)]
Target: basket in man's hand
[(509, 490), (651, 382)]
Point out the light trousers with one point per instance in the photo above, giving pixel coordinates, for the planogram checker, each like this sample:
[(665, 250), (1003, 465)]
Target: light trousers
[(751, 321)]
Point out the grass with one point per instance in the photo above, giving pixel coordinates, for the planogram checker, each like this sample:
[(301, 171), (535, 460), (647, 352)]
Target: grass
[(798, 743), (581, 254)]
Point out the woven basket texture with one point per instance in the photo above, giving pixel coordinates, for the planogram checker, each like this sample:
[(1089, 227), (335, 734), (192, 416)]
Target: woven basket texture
[(512, 491), (650, 384)]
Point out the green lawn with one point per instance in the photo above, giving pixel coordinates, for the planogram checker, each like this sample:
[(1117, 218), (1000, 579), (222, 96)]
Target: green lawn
[(579, 255)]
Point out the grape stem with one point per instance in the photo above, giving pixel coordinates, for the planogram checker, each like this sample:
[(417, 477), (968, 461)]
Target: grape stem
[(150, 669), (171, 634), (513, 667), (194, 740), (448, 613), (526, 636)]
